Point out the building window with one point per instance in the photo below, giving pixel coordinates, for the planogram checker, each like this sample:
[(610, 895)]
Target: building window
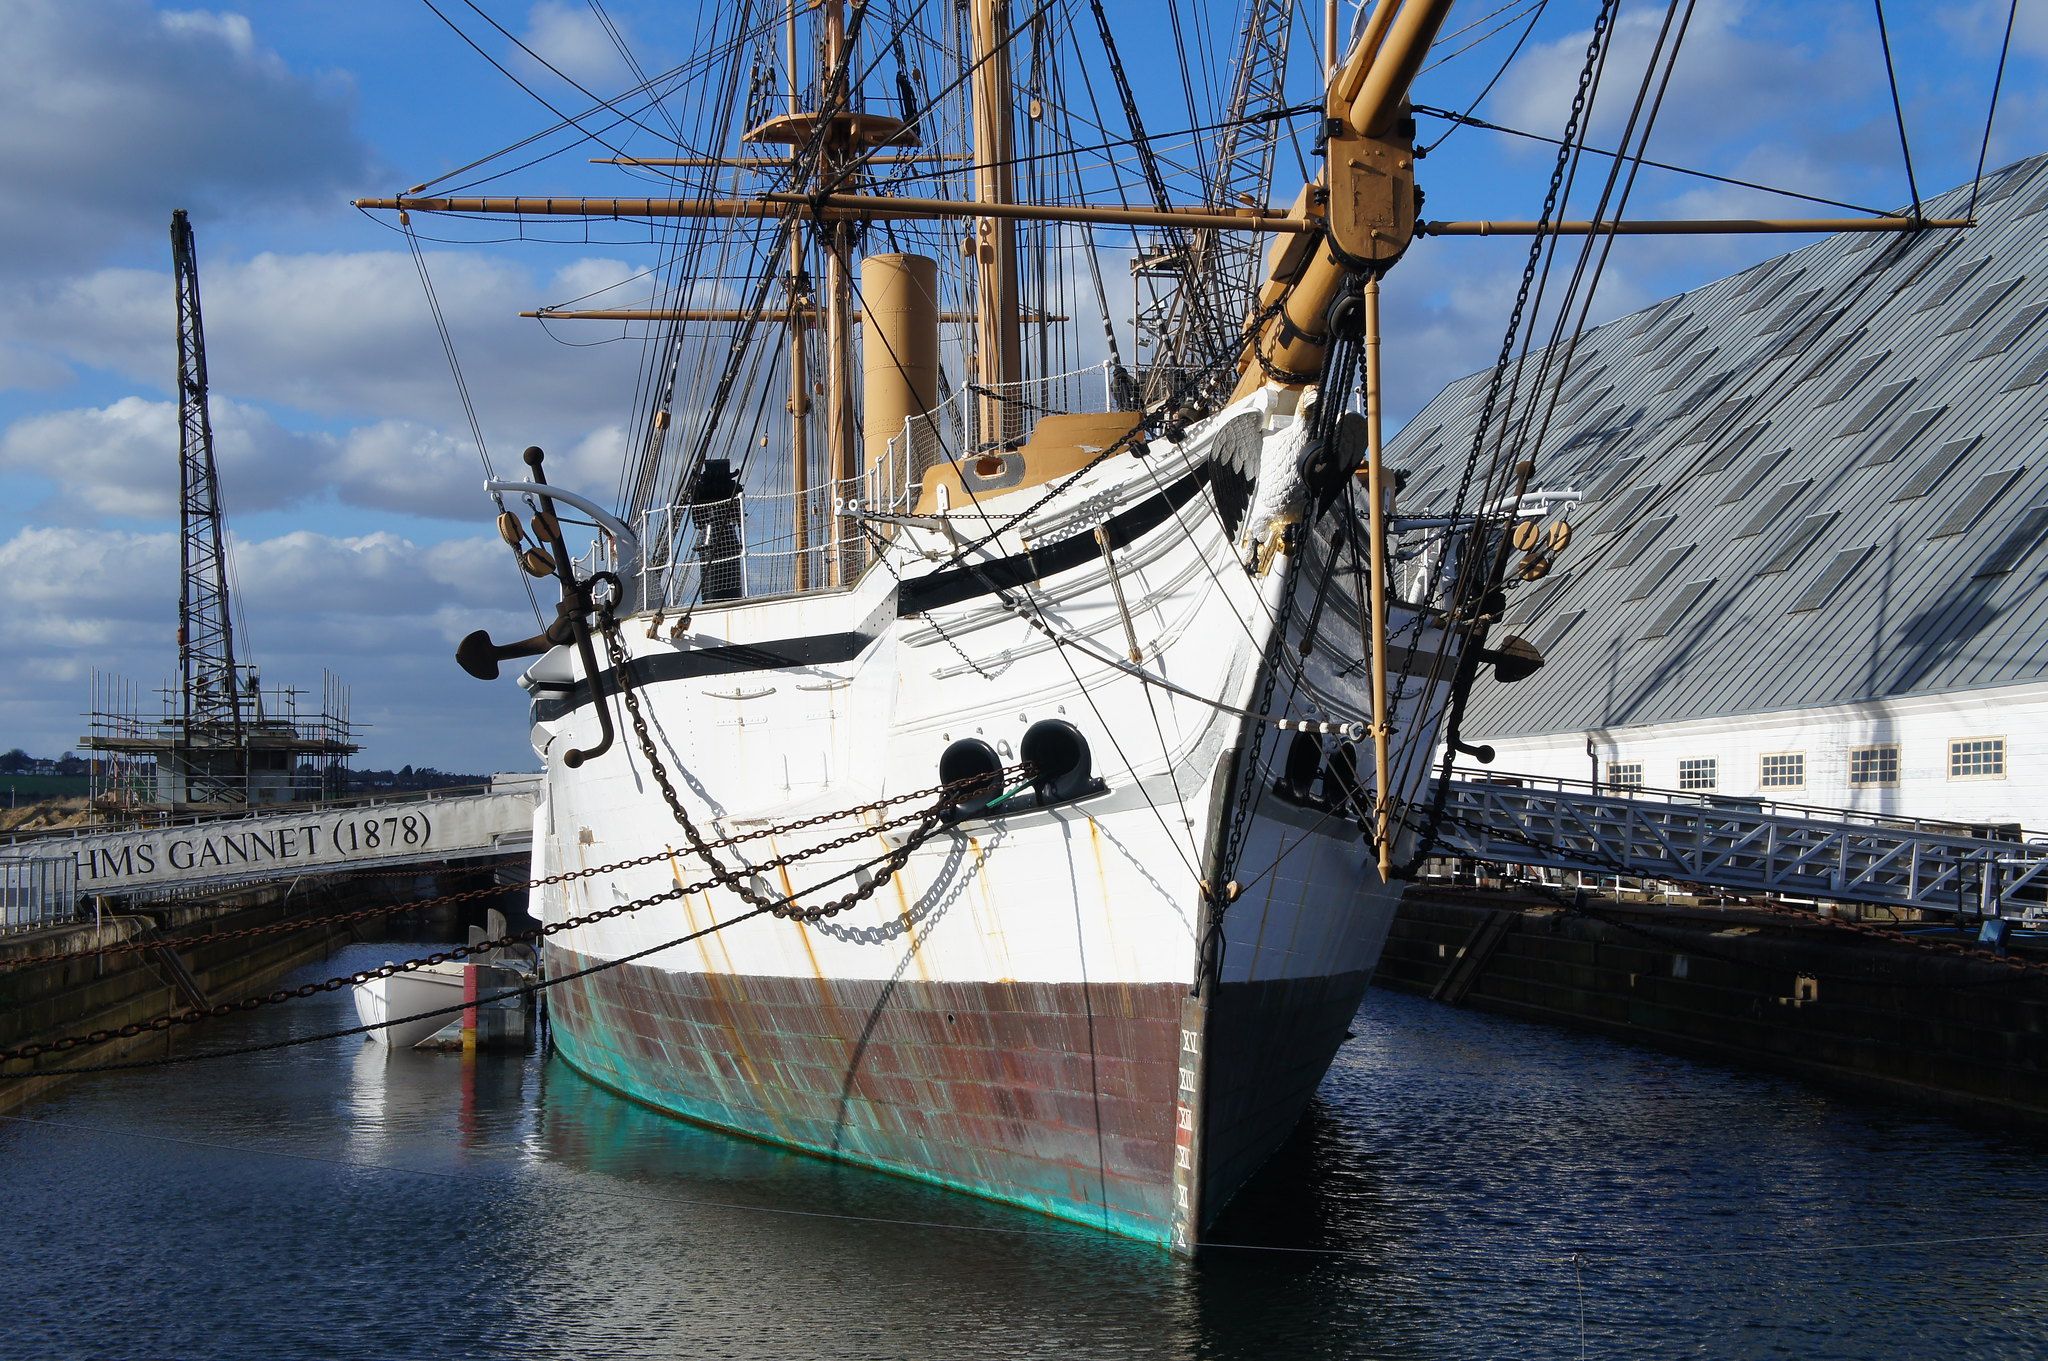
[(1699, 772), (1976, 758), (1624, 774), (1783, 770), (1870, 766)]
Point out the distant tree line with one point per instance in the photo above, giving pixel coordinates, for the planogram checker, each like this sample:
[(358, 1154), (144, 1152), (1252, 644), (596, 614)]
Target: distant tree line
[(19, 762), (411, 777)]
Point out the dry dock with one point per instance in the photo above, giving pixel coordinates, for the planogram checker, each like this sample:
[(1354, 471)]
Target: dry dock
[(1918, 1019), (127, 986)]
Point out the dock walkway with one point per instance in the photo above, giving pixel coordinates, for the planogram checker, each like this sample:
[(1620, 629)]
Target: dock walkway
[(204, 852), (1747, 846)]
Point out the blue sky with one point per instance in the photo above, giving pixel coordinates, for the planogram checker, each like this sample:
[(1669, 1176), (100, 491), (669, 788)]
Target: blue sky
[(363, 542)]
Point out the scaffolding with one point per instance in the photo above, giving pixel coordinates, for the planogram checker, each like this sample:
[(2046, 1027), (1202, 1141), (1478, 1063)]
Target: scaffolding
[(153, 759), (217, 739)]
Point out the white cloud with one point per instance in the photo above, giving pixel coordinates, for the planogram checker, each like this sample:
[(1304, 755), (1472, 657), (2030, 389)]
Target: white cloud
[(1739, 70), (1982, 25), (341, 337), (576, 44), (381, 575), (379, 610), (1796, 98), (411, 468), (122, 459), (349, 334), (113, 112)]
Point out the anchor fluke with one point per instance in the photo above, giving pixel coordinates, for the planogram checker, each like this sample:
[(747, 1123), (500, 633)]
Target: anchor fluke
[(1516, 659), (479, 656)]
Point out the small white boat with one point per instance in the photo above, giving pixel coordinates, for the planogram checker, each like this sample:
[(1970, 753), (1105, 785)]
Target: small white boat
[(383, 1000)]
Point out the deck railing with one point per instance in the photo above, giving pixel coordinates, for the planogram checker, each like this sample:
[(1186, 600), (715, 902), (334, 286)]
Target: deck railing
[(757, 545), (37, 891)]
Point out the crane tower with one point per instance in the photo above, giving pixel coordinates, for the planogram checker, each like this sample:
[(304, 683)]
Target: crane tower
[(221, 738), (210, 693)]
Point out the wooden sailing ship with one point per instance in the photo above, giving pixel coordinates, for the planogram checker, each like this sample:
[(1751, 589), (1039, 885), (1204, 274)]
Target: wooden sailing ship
[(1054, 743)]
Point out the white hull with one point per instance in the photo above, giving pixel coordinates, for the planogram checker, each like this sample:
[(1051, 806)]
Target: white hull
[(1042, 1006)]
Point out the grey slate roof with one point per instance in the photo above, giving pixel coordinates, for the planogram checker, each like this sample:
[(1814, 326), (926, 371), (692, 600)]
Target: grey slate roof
[(1821, 480)]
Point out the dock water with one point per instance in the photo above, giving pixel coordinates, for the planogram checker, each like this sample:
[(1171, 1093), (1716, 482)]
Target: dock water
[(1463, 1186), (42, 1002)]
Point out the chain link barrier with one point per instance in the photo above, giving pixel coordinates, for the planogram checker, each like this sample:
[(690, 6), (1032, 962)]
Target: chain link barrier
[(933, 819), (1466, 596), (473, 894), (925, 823), (1342, 350), (721, 879)]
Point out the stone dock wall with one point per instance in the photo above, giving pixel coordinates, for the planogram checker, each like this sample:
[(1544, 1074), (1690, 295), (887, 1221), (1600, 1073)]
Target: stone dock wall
[(1962, 1033), (43, 1002)]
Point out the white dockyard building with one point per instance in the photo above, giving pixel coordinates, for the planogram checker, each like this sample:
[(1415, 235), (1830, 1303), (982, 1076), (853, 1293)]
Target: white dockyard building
[(1808, 565)]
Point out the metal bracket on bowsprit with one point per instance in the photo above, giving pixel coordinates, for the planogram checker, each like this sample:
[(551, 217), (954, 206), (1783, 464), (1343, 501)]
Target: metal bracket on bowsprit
[(1373, 201)]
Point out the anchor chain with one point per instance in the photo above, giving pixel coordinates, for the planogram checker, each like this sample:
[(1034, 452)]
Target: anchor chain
[(932, 819), (1339, 364), (335, 984), (473, 894)]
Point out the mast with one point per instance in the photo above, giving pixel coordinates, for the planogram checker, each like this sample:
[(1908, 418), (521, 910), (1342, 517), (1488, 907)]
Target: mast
[(835, 94), (799, 380), (836, 133), (996, 347), (211, 701)]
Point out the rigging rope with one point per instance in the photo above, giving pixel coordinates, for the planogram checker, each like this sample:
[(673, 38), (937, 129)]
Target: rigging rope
[(1898, 108), (1466, 594), (1984, 147), (1467, 120), (1459, 120), (476, 430)]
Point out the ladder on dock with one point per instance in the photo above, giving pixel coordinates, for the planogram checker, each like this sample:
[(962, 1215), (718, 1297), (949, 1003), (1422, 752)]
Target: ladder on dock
[(1472, 956), (1745, 845)]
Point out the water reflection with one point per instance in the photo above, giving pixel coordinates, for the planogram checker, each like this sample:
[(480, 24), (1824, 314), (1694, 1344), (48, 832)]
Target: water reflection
[(784, 1254), (344, 1200), (401, 1100)]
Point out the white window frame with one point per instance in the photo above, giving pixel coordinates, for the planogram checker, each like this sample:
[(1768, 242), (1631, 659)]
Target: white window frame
[(1872, 750), (1624, 775), (1763, 770), (1991, 742), (1711, 765)]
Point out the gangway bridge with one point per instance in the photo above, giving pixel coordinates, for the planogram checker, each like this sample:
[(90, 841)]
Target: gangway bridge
[(391, 832), (1746, 845)]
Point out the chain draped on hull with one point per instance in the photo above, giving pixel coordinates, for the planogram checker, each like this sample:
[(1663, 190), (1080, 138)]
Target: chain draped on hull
[(1107, 1000)]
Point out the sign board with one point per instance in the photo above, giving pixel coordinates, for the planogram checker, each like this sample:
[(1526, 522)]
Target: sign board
[(260, 847)]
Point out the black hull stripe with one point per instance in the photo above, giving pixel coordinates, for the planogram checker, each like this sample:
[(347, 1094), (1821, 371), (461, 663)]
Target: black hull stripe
[(821, 649), (914, 597), (1125, 527)]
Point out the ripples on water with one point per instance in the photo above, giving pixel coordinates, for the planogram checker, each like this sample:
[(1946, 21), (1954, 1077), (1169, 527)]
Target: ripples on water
[(340, 1201)]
